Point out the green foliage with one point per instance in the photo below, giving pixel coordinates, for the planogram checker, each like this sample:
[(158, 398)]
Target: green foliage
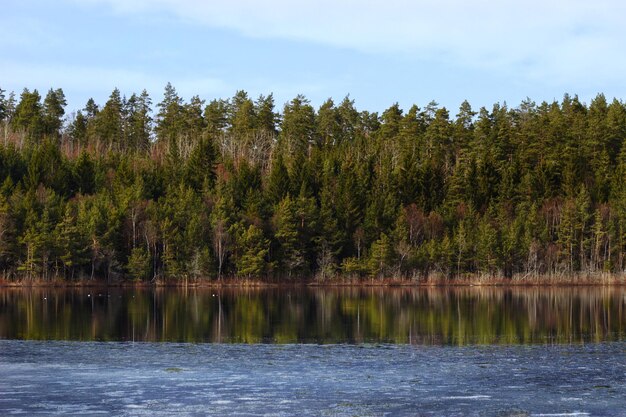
[(180, 227), (353, 266), (137, 122), (200, 167), (233, 188), (381, 256), (109, 123), (254, 248), (291, 248), (71, 242), (28, 114), (139, 263), (53, 111), (298, 127), (169, 118), (278, 181), (3, 105)]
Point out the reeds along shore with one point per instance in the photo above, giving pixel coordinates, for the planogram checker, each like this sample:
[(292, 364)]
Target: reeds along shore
[(202, 192), (594, 280)]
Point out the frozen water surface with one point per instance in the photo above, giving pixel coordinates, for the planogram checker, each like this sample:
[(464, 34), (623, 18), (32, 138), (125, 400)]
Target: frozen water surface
[(125, 378)]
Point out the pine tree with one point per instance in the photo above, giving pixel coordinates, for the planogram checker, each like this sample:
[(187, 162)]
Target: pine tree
[(139, 263), (278, 181), (254, 248), (72, 244), (138, 129), (242, 115), (286, 225), (77, 129), (266, 118), (170, 117), (200, 167), (84, 173), (567, 234), (53, 112), (298, 126), (3, 105), (28, 115), (328, 126), (380, 256), (7, 234), (391, 120), (221, 222), (216, 117), (8, 107), (109, 121)]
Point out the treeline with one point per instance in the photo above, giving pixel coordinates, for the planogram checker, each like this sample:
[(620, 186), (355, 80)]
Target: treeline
[(233, 188)]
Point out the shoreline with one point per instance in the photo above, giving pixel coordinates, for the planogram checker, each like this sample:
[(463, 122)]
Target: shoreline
[(600, 280)]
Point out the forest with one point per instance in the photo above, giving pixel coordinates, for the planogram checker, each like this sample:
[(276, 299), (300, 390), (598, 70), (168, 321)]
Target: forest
[(235, 189)]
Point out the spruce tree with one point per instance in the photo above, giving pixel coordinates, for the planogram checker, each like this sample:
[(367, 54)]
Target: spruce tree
[(254, 249)]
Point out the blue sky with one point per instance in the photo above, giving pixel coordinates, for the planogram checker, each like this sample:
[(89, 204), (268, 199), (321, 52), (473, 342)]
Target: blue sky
[(379, 52)]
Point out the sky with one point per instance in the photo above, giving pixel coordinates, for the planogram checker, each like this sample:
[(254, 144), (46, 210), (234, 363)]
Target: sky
[(376, 51)]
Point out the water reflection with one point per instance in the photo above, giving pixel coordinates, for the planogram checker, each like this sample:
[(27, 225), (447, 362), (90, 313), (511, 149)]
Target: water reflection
[(318, 315)]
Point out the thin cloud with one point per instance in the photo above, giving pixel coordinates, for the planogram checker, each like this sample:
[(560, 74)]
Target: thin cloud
[(97, 82), (559, 41), (26, 33)]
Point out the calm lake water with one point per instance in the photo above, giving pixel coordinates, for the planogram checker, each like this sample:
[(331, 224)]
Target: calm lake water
[(314, 352), (456, 316)]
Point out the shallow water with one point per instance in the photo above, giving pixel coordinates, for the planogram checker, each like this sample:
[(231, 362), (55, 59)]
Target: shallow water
[(311, 380)]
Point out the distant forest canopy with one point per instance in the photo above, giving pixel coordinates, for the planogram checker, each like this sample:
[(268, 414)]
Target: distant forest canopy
[(234, 188)]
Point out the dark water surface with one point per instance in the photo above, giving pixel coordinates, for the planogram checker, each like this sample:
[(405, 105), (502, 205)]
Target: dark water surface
[(456, 316), (314, 352)]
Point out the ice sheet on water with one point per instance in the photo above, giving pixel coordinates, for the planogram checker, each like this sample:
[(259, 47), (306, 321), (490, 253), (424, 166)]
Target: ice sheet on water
[(467, 397), (560, 414), (340, 380)]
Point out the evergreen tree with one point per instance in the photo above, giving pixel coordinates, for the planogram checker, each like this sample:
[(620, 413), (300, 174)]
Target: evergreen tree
[(221, 222), (28, 114), (292, 257), (380, 256), (328, 126), (298, 126), (7, 234), (3, 106), (72, 243), (139, 263), (242, 115), (266, 118), (216, 117), (7, 112), (109, 121), (53, 111), (224, 190), (200, 167), (254, 248), (391, 120), (77, 129), (138, 128), (278, 182), (170, 116)]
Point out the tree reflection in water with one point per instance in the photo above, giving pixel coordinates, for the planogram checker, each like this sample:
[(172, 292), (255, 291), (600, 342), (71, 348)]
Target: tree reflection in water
[(433, 316)]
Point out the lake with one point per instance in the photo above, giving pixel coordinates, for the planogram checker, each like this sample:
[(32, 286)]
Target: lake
[(314, 351)]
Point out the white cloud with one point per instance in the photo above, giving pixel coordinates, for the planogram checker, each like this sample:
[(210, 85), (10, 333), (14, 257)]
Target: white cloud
[(557, 41)]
